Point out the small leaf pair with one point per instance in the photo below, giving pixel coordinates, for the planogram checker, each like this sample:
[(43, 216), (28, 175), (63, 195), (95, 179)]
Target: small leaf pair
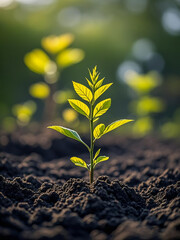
[(99, 159)]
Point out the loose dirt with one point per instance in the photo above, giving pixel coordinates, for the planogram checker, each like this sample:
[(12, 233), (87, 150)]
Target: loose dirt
[(43, 196)]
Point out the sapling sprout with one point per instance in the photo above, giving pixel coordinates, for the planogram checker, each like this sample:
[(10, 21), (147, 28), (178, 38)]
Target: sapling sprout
[(50, 63), (92, 112)]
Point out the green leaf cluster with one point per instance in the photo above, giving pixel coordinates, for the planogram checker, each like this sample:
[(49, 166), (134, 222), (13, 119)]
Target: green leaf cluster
[(92, 111)]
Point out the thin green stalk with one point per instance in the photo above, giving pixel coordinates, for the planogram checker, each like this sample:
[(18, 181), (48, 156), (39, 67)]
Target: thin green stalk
[(91, 175), (50, 105)]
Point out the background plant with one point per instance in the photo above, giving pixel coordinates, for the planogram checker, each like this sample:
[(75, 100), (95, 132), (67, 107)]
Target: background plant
[(145, 106), (92, 113), (50, 65), (116, 34)]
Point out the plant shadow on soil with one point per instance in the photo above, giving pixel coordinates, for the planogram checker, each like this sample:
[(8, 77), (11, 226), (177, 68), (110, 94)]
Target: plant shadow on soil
[(44, 196)]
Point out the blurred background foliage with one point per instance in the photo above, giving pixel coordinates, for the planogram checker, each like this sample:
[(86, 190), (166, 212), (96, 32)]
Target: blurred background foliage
[(135, 43)]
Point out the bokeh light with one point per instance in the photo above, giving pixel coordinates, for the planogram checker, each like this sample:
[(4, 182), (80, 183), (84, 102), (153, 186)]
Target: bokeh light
[(171, 21), (135, 43)]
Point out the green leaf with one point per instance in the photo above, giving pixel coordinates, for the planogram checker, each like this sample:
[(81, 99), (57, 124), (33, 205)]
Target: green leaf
[(99, 83), (96, 119), (97, 153), (101, 90), (83, 91), (90, 74), (69, 56), (90, 84), (68, 132), (102, 107), (100, 159), (79, 162), (116, 124), (98, 131), (94, 75), (94, 71), (80, 107)]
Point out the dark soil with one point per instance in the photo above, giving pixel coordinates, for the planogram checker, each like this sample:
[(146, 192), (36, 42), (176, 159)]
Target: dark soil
[(44, 196)]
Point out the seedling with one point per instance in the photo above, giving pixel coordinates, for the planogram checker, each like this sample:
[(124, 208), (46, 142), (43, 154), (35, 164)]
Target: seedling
[(50, 64), (92, 113), (145, 105)]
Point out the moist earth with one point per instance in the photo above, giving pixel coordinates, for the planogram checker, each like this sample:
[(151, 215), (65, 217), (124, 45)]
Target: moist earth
[(135, 195)]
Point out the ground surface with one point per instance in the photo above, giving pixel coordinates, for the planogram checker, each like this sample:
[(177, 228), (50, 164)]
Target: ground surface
[(44, 196)]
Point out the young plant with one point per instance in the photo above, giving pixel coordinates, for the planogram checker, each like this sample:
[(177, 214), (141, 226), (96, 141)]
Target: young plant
[(92, 113), (50, 62)]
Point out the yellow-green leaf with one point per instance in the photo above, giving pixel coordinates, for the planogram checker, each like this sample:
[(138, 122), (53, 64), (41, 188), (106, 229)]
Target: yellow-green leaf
[(69, 115), (90, 84), (100, 159), (97, 153), (98, 131), (24, 111), (101, 90), (37, 61), (95, 119), (69, 57), (90, 74), (94, 75), (80, 107), (39, 90), (54, 44), (102, 107), (99, 83), (68, 132), (83, 91), (116, 124), (94, 71), (78, 162)]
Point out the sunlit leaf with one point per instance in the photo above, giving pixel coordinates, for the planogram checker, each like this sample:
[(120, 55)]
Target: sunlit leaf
[(97, 153), (69, 57), (101, 90), (90, 84), (83, 91), (80, 107), (99, 83), (67, 132), (94, 75), (100, 159), (39, 90), (37, 61), (116, 124), (54, 44), (143, 83), (79, 162), (146, 105), (90, 74), (102, 107), (143, 126), (24, 111), (99, 130), (69, 115), (95, 119)]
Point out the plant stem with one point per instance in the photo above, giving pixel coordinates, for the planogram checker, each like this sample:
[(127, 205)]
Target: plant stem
[(50, 105), (91, 174)]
